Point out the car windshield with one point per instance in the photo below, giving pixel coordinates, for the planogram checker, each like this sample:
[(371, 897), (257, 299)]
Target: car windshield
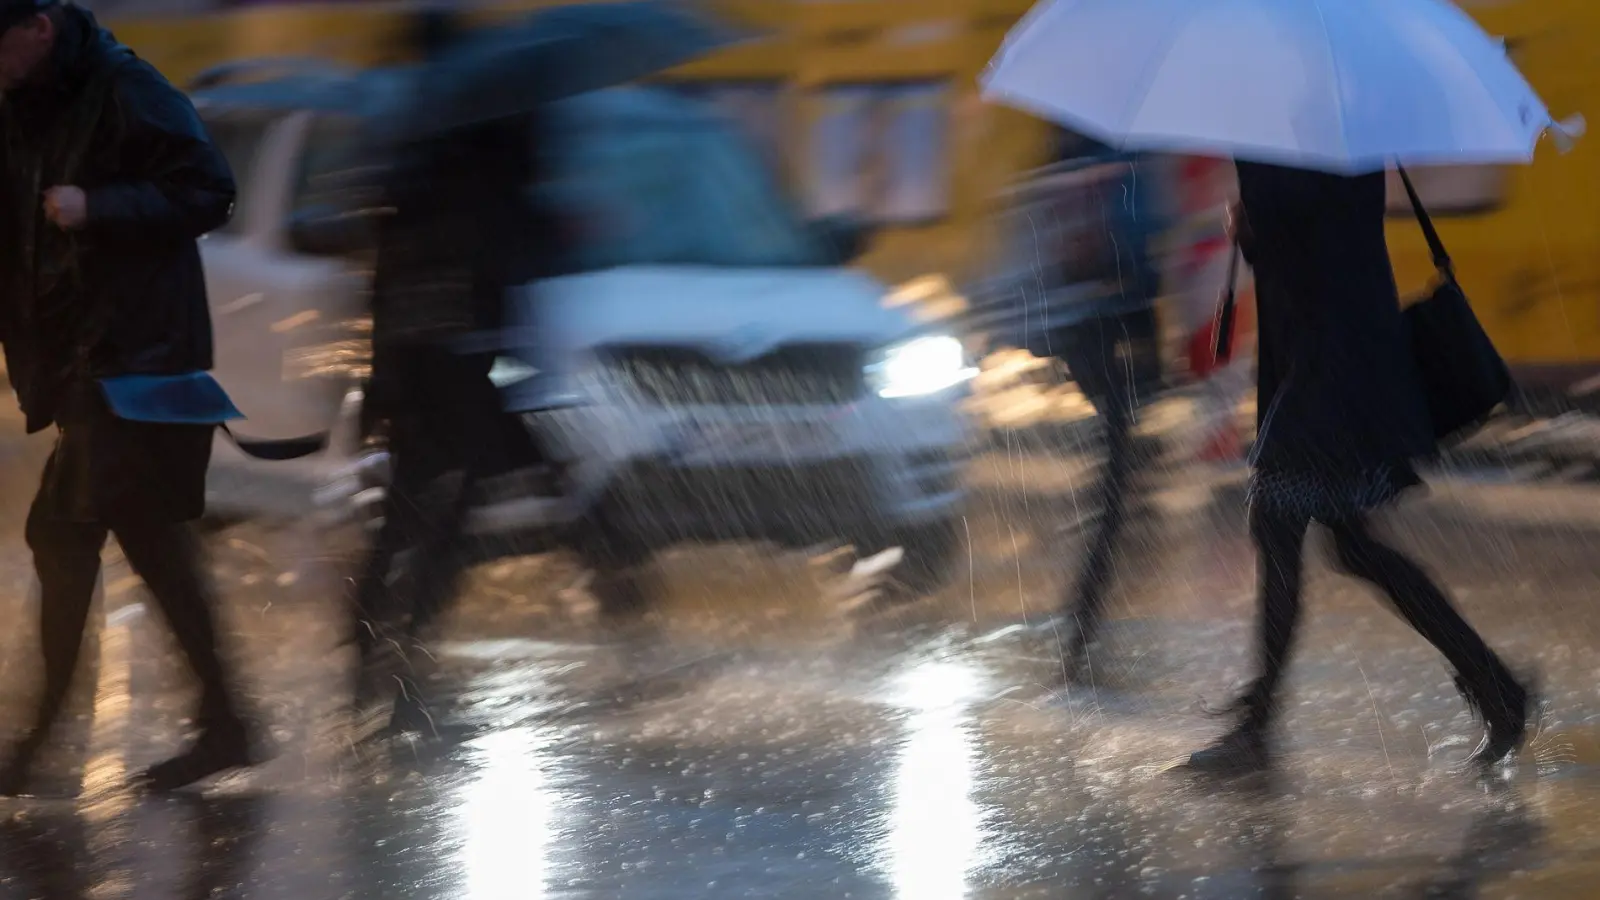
[(655, 179)]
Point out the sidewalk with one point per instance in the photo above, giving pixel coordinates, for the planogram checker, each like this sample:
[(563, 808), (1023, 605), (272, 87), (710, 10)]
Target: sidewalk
[(1024, 417)]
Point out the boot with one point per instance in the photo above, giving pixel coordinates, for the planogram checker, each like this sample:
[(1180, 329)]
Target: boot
[(411, 714), (223, 746), (1504, 706), (16, 771), (1247, 747), (1079, 648), (1242, 751)]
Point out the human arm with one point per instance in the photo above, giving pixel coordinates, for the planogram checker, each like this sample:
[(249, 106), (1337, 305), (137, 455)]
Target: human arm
[(174, 182)]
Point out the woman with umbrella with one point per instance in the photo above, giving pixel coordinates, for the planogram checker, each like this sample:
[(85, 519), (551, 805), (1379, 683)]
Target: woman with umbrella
[(1348, 394), (1342, 414)]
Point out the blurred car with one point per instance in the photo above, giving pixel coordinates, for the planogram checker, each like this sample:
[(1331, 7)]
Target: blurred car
[(738, 380)]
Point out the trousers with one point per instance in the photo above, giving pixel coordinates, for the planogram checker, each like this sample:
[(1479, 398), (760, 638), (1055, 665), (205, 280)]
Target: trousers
[(448, 434), (166, 554)]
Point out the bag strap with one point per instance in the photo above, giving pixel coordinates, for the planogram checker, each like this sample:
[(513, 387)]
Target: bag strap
[(1441, 256), (1222, 346), (279, 450)]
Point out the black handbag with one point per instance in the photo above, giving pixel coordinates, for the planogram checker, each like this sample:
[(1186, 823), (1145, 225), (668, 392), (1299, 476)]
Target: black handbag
[(1463, 377)]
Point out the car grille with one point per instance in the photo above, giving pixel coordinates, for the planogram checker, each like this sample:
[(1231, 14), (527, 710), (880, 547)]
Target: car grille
[(808, 500), (792, 375)]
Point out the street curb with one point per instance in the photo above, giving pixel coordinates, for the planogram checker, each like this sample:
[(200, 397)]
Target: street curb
[(1562, 449), (1453, 495)]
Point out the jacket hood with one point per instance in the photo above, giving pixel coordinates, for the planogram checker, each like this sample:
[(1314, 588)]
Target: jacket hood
[(81, 45)]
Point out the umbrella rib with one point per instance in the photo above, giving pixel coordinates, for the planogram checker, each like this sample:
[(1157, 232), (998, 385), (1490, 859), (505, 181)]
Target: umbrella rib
[(1148, 76), (1338, 81)]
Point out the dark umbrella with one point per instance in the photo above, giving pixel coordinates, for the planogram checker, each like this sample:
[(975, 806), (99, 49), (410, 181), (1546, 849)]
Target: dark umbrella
[(555, 53), (294, 94)]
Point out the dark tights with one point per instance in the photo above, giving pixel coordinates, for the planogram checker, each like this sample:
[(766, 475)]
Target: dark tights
[(1103, 355), (1279, 538)]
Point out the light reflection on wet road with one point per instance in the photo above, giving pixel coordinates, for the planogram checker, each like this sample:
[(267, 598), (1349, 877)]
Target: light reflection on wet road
[(748, 739)]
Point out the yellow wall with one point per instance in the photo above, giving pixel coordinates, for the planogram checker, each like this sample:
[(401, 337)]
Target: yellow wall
[(1529, 266), (182, 47), (805, 46)]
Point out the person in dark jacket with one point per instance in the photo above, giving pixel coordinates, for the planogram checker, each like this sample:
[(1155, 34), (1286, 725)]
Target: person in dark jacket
[(1342, 415), (461, 233), (109, 178)]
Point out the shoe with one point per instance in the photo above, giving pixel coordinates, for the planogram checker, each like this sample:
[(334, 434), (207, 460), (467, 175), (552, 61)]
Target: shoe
[(411, 715), (219, 749), (1078, 653), (377, 671), (1242, 751), (1505, 718), (15, 775)]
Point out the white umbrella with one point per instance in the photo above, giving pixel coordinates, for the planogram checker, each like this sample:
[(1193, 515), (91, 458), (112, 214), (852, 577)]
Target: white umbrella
[(1339, 85)]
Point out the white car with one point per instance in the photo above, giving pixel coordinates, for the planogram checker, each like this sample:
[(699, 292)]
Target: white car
[(737, 379)]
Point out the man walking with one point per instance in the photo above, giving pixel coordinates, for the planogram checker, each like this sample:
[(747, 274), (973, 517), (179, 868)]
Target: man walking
[(455, 240), (108, 179)]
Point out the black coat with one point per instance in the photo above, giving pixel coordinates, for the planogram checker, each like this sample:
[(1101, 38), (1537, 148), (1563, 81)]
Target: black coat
[(126, 294), (1337, 386), (463, 230)]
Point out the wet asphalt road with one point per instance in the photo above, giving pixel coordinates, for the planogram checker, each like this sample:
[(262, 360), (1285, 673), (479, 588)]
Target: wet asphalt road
[(762, 734)]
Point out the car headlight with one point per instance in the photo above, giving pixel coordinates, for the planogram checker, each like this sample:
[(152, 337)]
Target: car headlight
[(921, 366)]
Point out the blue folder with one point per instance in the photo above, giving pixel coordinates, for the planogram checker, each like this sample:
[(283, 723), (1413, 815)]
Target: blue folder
[(194, 398)]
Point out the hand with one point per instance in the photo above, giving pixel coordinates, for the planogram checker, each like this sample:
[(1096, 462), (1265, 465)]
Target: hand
[(67, 207)]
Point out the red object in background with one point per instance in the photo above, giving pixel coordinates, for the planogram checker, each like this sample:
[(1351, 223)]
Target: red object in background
[(1225, 446)]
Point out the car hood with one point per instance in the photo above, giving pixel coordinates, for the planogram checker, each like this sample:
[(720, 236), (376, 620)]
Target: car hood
[(728, 313)]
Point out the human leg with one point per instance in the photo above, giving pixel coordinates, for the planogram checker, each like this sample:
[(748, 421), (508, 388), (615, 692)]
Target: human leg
[(1489, 686), (66, 558), (1279, 535), (1090, 351), (168, 557)]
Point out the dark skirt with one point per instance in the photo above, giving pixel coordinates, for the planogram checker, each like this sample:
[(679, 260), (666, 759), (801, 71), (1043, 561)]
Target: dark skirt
[(1325, 496), (110, 470)]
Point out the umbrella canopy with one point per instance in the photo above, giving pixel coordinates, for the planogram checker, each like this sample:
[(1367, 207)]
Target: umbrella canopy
[(1339, 85), (325, 95), (557, 53)]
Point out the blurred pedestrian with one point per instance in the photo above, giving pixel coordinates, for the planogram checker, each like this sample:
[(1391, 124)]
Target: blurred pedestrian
[(1342, 415), (1109, 341), (109, 179), (461, 234)]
